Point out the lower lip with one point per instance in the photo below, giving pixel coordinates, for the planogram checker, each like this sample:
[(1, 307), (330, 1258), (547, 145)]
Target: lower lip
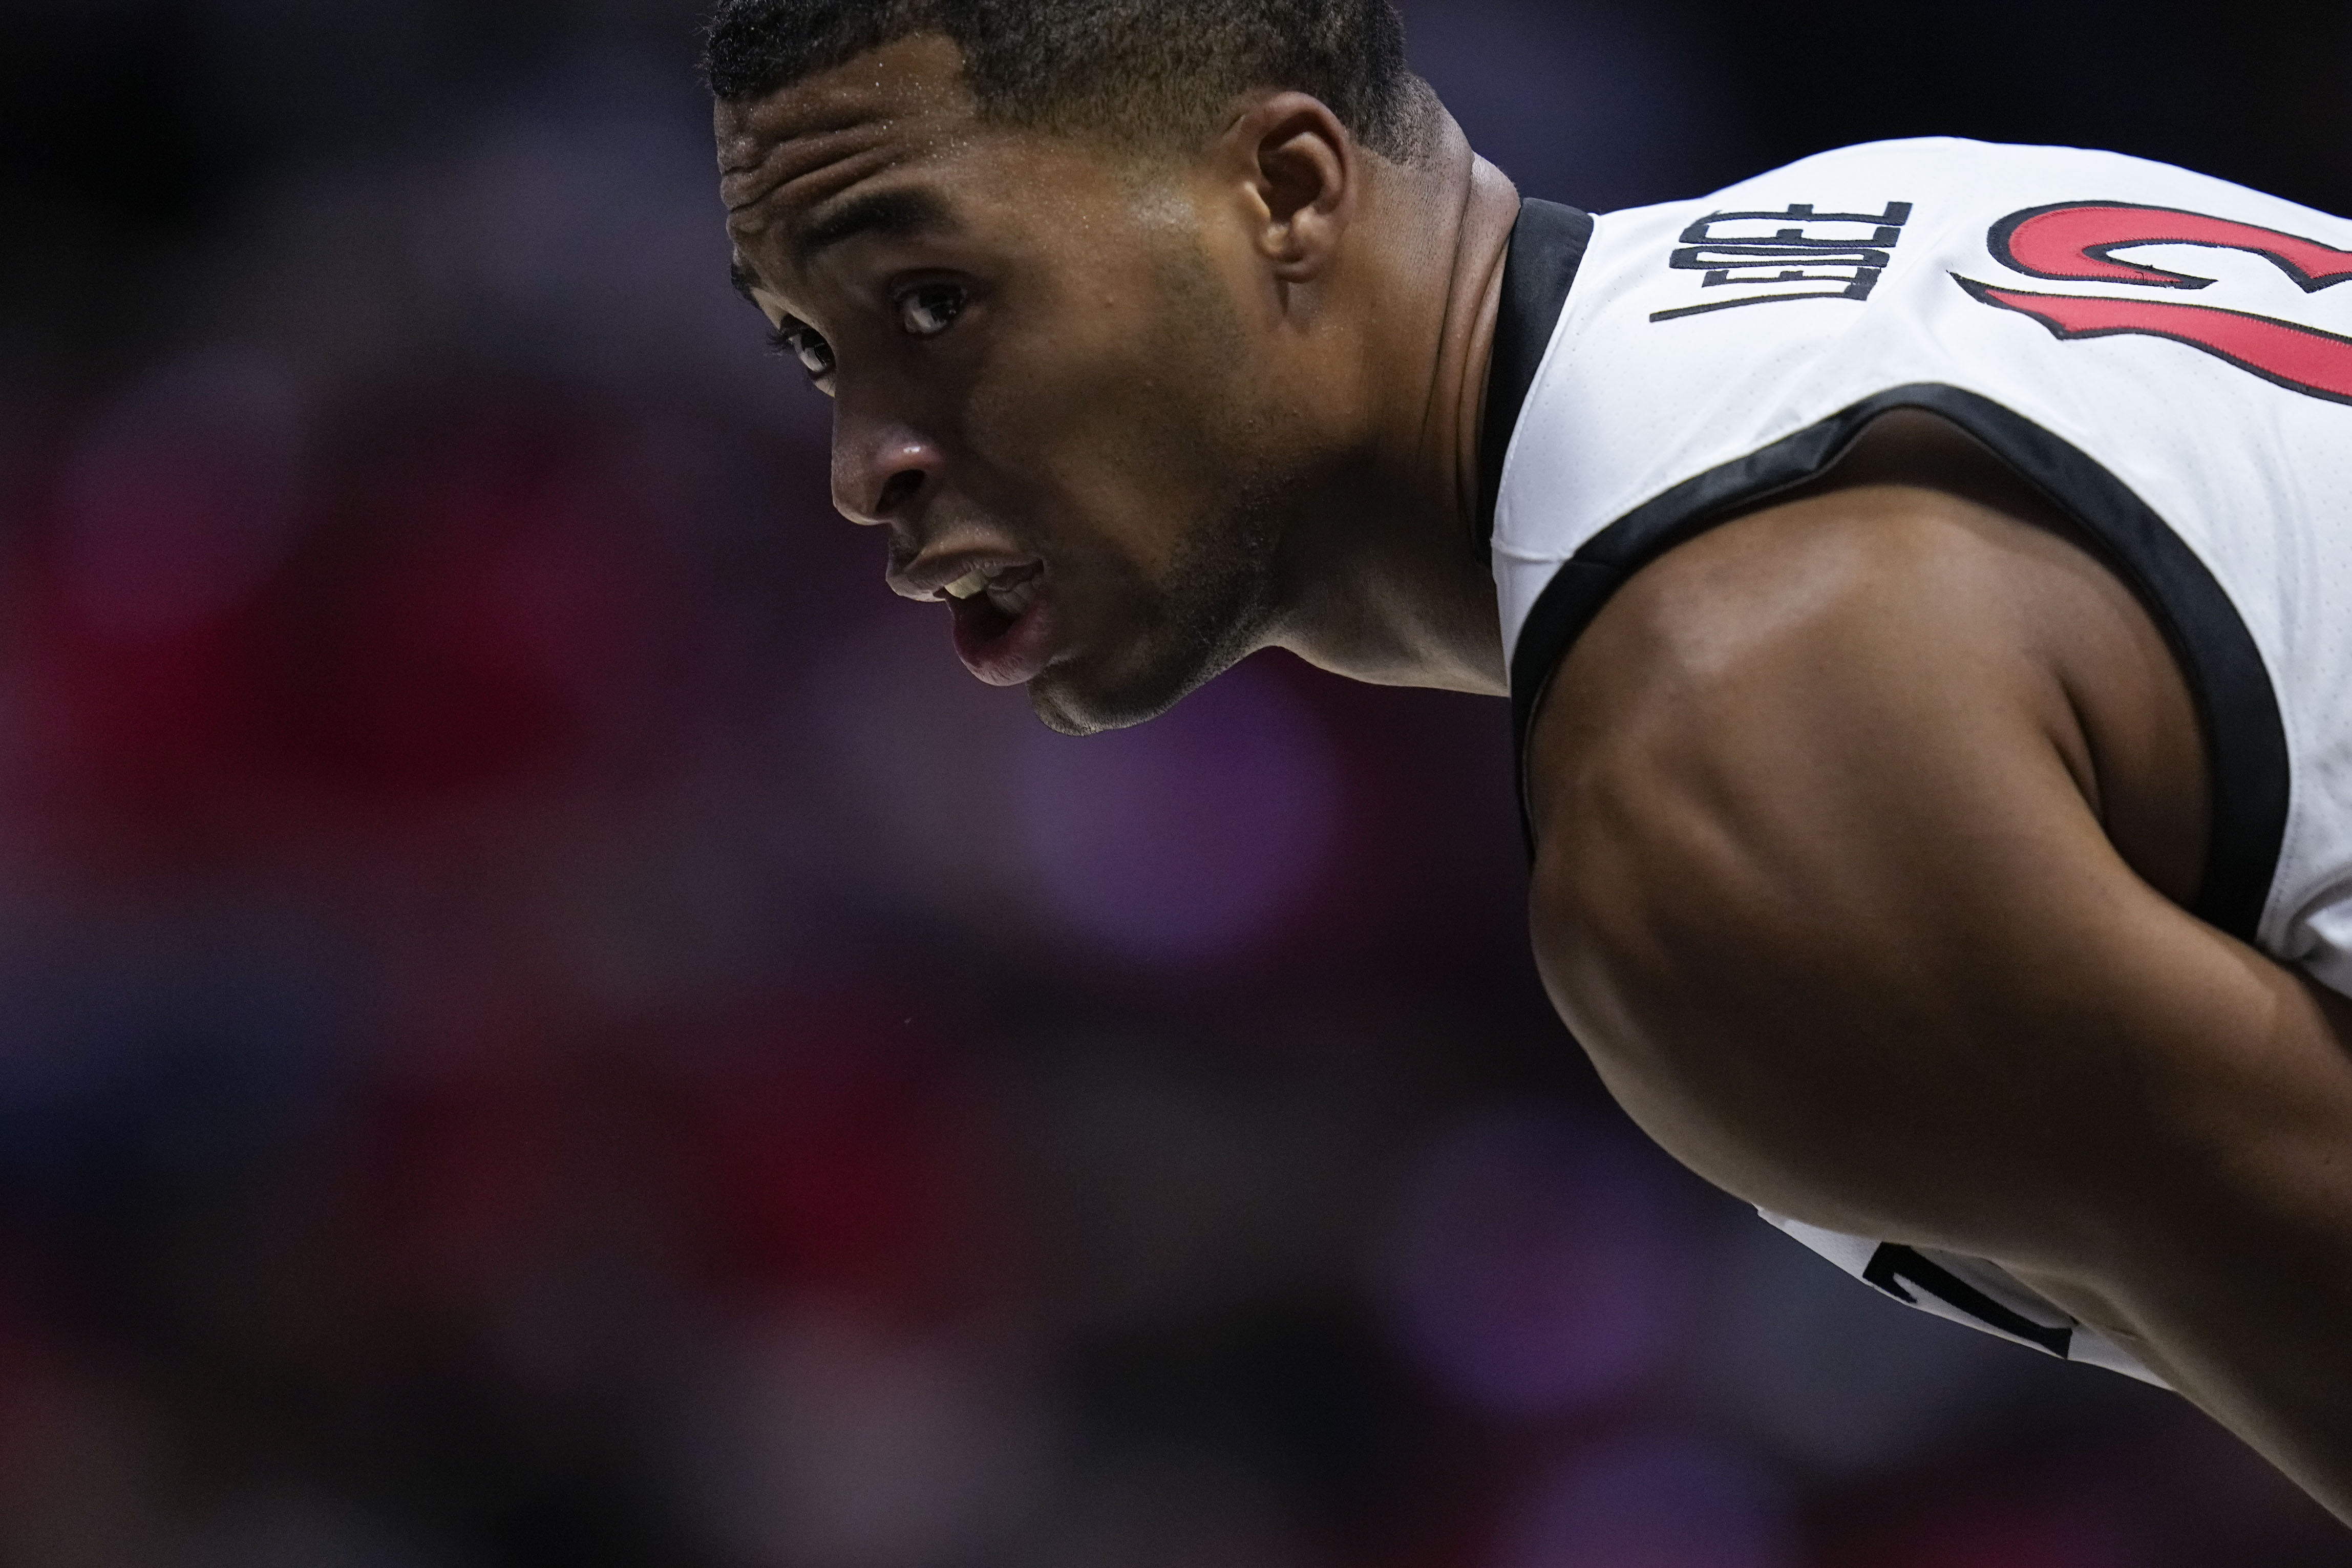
[(1002, 652)]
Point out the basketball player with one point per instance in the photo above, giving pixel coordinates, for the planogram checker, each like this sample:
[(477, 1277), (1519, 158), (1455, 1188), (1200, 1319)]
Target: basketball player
[(1925, 583)]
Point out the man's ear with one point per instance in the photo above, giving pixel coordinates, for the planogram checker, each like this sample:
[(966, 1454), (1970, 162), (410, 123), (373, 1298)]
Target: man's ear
[(1299, 167)]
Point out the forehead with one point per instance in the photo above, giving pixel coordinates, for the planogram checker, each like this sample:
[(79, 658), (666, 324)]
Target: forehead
[(894, 140), (896, 108)]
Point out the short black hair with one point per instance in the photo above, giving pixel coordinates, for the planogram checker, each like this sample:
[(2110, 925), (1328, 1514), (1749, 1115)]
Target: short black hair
[(1138, 71)]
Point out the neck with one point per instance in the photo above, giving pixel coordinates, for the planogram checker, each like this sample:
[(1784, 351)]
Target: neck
[(1391, 585)]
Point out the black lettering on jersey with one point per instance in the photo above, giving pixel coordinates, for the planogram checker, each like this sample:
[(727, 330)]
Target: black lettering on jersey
[(1764, 258), (1892, 1265)]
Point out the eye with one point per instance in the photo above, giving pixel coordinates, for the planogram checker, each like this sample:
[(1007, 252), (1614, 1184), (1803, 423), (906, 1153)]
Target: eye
[(806, 344), (928, 312)]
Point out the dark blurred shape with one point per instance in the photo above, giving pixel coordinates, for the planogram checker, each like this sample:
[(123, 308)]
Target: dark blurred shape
[(1595, 104), (1539, 1268), (1300, 1394), (1653, 1500), (1186, 839)]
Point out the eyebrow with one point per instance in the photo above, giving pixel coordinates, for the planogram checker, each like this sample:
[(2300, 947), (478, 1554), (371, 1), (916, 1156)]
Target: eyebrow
[(888, 212), (745, 281)]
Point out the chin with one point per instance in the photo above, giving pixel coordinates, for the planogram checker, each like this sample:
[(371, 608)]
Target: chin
[(1057, 713), (1070, 709), (1167, 644), (1075, 700)]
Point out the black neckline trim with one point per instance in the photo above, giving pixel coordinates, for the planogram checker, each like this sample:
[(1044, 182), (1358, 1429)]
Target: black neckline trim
[(1546, 246), (2245, 737)]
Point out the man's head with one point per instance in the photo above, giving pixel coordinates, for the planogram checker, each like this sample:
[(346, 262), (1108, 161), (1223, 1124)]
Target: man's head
[(1078, 275)]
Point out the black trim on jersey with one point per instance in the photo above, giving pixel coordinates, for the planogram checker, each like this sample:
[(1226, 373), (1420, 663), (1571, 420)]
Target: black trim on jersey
[(1546, 246), (2245, 739), (1891, 1264)]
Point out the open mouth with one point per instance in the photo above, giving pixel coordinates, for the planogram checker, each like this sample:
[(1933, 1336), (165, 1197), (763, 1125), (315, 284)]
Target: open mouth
[(1002, 622)]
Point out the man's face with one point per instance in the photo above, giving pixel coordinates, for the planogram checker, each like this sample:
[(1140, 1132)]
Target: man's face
[(1048, 370)]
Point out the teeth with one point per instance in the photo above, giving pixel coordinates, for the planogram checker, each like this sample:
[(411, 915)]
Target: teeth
[(965, 586), (1013, 600)]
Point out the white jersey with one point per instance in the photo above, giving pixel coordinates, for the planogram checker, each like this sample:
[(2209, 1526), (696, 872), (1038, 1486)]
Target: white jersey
[(2168, 356)]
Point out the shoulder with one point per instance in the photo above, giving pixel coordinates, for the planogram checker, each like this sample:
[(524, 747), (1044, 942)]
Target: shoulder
[(1765, 700), (1793, 791), (1809, 627), (1919, 611)]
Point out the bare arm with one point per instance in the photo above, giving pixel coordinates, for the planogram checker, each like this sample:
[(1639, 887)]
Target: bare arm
[(1864, 826)]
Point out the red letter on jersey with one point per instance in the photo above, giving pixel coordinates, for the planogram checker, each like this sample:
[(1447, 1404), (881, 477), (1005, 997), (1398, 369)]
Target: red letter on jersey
[(2299, 358), (2075, 241)]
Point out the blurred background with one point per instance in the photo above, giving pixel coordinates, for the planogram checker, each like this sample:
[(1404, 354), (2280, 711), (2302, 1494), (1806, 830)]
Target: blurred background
[(545, 1021)]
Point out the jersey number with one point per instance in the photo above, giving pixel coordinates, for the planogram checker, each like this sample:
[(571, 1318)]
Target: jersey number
[(2076, 241)]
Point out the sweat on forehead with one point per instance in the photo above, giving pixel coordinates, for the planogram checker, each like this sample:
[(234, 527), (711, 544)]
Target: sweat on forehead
[(806, 142)]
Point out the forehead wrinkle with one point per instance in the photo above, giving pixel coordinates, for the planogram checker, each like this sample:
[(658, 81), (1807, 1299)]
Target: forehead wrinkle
[(764, 144), (783, 156), (757, 131), (792, 160), (788, 206), (751, 137), (884, 84)]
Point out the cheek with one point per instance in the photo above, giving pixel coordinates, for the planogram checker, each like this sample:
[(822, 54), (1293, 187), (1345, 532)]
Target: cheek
[(1130, 436)]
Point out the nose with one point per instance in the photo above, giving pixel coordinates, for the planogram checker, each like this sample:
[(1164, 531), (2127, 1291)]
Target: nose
[(881, 473)]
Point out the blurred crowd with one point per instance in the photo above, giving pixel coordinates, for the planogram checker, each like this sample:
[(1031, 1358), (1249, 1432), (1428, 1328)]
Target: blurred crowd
[(545, 1023)]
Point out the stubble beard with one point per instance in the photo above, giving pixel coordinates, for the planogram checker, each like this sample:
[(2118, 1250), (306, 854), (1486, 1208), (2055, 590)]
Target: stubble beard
[(1218, 597), (1212, 608)]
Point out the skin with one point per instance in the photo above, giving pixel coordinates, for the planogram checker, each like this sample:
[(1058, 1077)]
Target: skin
[(1866, 824), (1220, 418), (1867, 821)]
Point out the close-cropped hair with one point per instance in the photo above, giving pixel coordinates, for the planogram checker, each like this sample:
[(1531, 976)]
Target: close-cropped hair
[(1141, 72)]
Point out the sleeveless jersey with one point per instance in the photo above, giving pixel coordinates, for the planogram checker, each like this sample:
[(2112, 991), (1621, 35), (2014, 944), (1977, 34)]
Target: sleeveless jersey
[(2167, 356)]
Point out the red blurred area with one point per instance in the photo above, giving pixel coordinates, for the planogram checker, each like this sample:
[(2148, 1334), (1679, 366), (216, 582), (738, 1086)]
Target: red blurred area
[(481, 604)]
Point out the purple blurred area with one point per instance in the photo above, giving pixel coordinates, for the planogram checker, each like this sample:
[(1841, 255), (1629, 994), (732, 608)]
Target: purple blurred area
[(544, 1021)]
